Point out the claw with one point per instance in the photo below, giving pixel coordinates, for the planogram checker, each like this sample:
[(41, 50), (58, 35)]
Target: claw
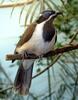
[(40, 56), (24, 55)]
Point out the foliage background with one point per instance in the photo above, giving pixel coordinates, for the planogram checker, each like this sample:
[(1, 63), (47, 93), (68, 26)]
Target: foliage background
[(60, 82)]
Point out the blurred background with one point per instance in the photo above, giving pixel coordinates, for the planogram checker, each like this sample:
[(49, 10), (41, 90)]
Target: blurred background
[(54, 78)]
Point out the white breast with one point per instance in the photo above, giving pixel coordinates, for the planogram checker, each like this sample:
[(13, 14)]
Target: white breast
[(39, 46), (36, 44)]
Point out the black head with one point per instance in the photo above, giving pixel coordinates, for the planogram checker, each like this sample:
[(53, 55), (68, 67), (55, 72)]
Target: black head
[(46, 14)]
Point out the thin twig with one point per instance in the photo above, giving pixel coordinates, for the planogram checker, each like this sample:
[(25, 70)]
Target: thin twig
[(48, 95), (6, 75), (10, 87), (73, 37), (47, 67)]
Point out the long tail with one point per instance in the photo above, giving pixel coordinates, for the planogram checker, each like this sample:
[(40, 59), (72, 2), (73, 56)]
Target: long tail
[(23, 79)]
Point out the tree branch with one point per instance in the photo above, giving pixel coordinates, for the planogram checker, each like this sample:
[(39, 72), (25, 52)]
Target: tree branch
[(10, 87), (15, 4), (66, 48)]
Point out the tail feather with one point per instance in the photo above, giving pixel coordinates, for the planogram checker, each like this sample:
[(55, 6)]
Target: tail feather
[(23, 79)]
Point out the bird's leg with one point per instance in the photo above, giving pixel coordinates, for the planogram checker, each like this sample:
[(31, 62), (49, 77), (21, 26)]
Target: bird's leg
[(40, 56), (24, 55)]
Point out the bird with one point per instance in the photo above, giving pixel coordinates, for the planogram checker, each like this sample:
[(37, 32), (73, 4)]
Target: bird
[(39, 38)]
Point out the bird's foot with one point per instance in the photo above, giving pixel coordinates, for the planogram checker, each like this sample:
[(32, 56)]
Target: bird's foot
[(24, 55), (40, 56), (27, 55)]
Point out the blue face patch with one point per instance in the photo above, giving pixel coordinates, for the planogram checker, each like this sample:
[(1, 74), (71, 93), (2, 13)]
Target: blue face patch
[(47, 13)]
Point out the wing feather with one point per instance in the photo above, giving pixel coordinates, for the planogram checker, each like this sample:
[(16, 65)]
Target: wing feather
[(27, 35)]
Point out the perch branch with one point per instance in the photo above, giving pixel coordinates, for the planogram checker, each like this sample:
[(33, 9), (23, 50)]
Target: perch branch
[(67, 48)]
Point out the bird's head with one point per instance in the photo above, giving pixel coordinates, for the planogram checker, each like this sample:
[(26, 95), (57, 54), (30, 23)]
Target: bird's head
[(47, 14)]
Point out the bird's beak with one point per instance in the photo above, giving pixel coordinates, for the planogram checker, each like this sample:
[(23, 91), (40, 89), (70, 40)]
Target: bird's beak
[(59, 13), (56, 14)]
